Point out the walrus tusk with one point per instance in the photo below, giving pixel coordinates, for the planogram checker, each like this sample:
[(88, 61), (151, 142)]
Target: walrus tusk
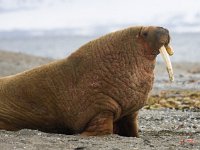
[(166, 58), (169, 50)]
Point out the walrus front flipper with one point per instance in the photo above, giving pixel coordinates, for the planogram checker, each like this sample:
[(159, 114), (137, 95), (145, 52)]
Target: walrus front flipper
[(102, 124), (127, 126)]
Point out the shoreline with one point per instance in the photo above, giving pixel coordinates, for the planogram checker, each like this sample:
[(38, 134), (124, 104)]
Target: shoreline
[(18, 58)]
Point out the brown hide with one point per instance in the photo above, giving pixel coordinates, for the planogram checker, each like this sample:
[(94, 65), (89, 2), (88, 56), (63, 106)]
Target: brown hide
[(97, 90)]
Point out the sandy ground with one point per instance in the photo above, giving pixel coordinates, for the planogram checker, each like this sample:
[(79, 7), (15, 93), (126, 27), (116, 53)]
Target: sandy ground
[(159, 129)]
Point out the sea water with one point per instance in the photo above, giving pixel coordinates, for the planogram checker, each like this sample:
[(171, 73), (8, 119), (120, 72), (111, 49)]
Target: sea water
[(186, 45)]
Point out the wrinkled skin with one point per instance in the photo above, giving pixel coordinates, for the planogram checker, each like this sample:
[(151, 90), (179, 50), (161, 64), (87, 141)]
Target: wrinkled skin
[(97, 90)]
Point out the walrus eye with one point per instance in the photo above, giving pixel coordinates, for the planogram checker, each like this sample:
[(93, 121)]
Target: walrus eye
[(145, 34)]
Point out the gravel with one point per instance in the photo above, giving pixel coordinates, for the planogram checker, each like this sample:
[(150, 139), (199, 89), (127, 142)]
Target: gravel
[(165, 129)]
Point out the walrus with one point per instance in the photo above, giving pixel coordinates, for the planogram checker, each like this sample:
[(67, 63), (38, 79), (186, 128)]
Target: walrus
[(97, 90)]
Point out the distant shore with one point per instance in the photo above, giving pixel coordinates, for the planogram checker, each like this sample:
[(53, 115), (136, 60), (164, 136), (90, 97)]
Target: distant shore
[(12, 63)]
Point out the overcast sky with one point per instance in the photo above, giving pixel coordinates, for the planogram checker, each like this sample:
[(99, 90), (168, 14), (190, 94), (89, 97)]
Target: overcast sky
[(87, 14)]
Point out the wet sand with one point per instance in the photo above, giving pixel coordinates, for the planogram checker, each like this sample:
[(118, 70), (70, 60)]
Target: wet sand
[(161, 127)]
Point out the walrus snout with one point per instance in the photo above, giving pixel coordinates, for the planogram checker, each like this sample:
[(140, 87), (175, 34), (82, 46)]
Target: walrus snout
[(163, 37), (165, 49), (158, 39)]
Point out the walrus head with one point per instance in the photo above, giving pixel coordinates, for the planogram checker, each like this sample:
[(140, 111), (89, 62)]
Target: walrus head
[(156, 40)]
